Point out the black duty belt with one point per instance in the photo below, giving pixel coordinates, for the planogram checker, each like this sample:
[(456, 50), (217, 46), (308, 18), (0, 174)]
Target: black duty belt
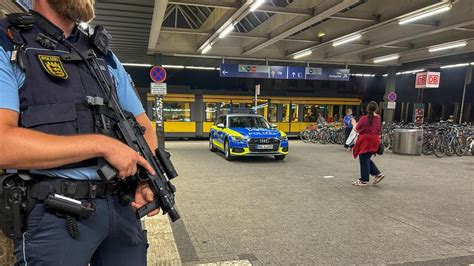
[(79, 190)]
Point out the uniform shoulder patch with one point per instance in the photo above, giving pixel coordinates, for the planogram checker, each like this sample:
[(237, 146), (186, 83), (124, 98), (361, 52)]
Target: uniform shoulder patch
[(53, 66)]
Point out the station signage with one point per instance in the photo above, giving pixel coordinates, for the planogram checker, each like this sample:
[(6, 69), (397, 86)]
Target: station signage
[(283, 72), (427, 80), (158, 88)]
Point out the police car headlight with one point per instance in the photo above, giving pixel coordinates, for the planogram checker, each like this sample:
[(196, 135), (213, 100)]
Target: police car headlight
[(240, 139)]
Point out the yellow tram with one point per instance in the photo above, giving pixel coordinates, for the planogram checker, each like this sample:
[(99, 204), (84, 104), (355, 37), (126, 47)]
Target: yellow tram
[(192, 115)]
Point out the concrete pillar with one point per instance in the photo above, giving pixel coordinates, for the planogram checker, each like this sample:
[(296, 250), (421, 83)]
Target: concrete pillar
[(389, 114)]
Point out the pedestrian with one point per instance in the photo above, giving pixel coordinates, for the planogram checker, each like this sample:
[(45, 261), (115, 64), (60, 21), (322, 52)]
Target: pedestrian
[(48, 99), (367, 144), (347, 131), (321, 120)]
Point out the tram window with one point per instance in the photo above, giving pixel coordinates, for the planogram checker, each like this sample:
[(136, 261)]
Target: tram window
[(310, 113), (225, 108), (177, 111), (286, 113), (294, 113), (272, 113), (211, 112)]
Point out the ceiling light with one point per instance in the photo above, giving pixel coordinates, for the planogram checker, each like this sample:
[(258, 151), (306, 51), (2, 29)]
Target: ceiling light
[(256, 4), (386, 58), (137, 65), (346, 40), (200, 68), (455, 65), (226, 31), (303, 54), (385, 75), (425, 14), (172, 66), (321, 34), (447, 46), (206, 49), (472, 64)]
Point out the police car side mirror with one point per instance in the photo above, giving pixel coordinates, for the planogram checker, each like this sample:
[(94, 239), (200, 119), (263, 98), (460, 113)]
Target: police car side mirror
[(220, 125), (274, 126)]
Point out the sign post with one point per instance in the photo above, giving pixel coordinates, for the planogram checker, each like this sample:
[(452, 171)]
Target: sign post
[(158, 89), (257, 92)]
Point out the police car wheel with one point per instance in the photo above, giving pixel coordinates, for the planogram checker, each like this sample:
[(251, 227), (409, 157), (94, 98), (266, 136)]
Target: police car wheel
[(211, 145), (280, 157), (228, 157)]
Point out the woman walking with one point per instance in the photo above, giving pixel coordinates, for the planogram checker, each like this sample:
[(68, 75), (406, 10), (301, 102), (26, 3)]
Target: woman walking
[(347, 131), (367, 144)]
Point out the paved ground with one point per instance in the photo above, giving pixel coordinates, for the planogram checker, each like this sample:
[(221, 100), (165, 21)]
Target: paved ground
[(304, 210)]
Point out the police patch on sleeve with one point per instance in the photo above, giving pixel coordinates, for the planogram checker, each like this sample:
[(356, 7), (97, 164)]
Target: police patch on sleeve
[(53, 66)]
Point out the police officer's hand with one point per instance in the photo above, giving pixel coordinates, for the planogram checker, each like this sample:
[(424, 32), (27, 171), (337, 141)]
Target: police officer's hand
[(125, 159), (144, 195)]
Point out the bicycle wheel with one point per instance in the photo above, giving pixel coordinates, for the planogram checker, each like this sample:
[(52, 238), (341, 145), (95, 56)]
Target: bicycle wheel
[(387, 143), (438, 147), (458, 147), (324, 137)]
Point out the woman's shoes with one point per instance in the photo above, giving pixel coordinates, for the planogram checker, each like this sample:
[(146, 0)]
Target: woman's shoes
[(378, 178), (360, 183)]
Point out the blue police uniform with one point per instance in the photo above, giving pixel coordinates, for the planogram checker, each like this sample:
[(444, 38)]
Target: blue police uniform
[(49, 93)]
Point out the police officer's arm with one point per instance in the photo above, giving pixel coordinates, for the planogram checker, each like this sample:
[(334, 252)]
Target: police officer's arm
[(150, 134), (27, 149)]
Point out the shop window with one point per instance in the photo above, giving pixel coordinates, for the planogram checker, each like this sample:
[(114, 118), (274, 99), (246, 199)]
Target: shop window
[(310, 113), (177, 111), (225, 108), (211, 111)]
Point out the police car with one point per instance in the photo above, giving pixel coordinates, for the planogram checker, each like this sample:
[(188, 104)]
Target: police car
[(247, 135)]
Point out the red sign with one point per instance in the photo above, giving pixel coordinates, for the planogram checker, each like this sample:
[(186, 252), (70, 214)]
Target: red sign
[(432, 79), (427, 80), (158, 74)]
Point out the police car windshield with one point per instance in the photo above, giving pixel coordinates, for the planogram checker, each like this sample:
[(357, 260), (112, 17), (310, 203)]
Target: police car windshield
[(248, 121)]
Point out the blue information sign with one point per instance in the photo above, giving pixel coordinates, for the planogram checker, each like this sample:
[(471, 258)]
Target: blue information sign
[(327, 74), (278, 72), (296, 72), (283, 72)]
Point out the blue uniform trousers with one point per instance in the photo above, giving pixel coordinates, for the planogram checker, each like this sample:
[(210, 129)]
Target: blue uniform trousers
[(112, 236)]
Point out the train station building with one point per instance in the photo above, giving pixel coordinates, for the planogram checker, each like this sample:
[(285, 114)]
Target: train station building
[(262, 103)]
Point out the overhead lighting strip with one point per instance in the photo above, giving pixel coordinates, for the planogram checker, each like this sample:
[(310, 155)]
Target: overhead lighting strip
[(346, 40), (137, 65), (226, 31), (426, 14), (206, 49), (455, 65), (447, 46), (303, 54), (386, 58)]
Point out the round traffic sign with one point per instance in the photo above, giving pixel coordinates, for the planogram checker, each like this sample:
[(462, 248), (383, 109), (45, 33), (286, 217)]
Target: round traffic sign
[(392, 96), (158, 74)]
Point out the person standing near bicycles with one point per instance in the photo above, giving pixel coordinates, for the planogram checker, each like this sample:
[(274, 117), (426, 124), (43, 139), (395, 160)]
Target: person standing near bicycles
[(347, 131), (367, 144)]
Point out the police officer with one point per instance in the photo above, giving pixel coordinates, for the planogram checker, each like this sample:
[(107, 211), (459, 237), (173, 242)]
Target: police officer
[(47, 128)]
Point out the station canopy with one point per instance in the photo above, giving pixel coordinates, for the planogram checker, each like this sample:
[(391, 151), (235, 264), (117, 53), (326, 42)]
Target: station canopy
[(332, 32)]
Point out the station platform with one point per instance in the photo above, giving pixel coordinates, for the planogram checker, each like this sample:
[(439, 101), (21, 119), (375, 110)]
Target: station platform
[(304, 210)]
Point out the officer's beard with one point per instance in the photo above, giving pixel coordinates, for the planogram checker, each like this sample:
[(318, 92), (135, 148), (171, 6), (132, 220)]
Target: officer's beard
[(76, 10)]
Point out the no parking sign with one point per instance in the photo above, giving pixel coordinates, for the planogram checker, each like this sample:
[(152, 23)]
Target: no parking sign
[(158, 74)]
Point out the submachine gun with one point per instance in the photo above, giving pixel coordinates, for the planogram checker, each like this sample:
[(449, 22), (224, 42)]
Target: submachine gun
[(113, 120)]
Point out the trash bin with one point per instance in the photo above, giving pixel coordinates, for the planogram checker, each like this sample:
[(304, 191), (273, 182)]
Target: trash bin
[(407, 141)]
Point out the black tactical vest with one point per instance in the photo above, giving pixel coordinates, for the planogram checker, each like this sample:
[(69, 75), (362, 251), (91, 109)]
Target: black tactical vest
[(53, 98)]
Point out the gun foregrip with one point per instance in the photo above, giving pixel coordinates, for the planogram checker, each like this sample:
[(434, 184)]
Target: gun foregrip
[(143, 211)]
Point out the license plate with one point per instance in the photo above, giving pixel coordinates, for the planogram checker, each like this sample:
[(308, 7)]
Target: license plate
[(265, 147)]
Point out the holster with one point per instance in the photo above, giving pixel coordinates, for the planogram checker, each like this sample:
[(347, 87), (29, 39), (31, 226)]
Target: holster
[(14, 205)]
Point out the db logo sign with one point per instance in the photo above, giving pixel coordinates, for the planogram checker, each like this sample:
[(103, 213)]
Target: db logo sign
[(433, 79)]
